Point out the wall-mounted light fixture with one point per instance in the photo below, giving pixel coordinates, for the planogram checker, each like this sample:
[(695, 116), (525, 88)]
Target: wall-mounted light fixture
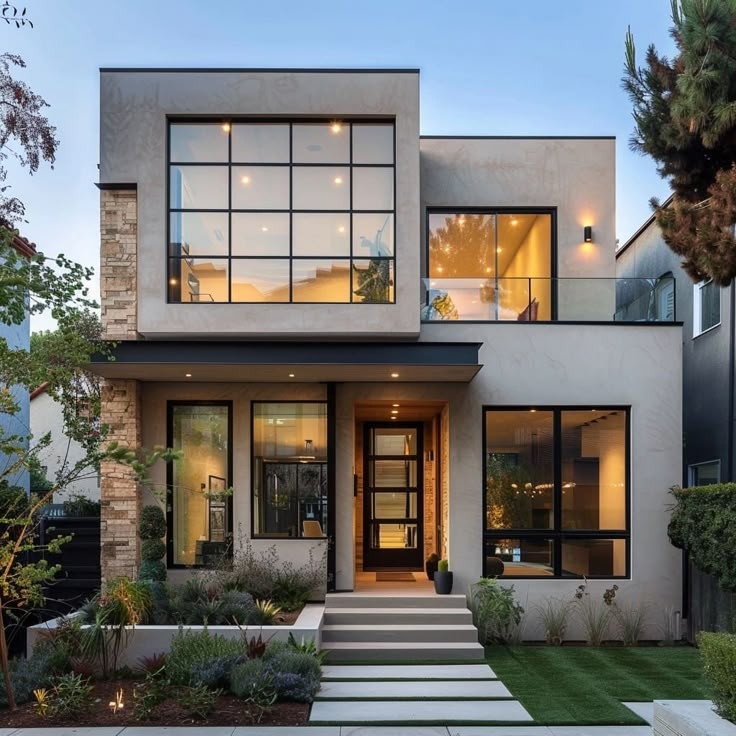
[(588, 234)]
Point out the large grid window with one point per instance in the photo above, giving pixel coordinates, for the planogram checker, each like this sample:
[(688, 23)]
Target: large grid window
[(281, 212), (556, 501)]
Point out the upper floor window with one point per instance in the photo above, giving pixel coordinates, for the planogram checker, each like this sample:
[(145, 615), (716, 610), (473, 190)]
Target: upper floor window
[(704, 474), (492, 265), (706, 306), (281, 212)]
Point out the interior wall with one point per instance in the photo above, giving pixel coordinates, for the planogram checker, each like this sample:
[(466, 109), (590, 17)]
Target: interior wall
[(534, 258)]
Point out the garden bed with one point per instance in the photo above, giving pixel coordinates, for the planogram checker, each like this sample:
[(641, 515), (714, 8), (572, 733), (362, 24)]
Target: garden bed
[(229, 711), (146, 639)]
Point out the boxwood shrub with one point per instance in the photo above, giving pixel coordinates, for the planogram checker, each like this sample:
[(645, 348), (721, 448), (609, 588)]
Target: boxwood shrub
[(704, 523), (719, 663)]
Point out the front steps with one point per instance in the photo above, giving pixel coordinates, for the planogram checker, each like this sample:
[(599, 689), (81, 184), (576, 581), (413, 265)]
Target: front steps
[(398, 628)]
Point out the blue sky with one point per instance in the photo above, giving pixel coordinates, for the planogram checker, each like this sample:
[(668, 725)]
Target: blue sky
[(489, 67)]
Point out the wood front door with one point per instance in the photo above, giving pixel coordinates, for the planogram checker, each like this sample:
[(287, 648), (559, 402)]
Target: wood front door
[(392, 497)]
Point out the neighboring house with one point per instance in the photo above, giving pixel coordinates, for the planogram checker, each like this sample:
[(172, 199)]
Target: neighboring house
[(47, 415), (413, 344), (707, 314), (18, 337)]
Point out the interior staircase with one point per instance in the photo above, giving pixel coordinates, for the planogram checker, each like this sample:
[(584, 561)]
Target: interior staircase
[(398, 628)]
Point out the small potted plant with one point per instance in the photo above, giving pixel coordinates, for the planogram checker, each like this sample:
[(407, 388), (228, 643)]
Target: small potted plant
[(443, 578), (431, 565)]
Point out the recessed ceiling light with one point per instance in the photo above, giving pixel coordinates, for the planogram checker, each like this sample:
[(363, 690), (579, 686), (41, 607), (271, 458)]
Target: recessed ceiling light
[(338, 180), (341, 229), (498, 250), (173, 282), (264, 229), (336, 127), (393, 417), (187, 375), (394, 375), (226, 127), (396, 405), (245, 179), (440, 269), (291, 375), (489, 269), (394, 411), (533, 411), (461, 221), (514, 222)]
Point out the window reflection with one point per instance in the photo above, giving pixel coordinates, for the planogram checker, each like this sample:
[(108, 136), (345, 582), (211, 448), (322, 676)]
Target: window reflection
[(198, 187), (260, 143), (489, 266), (260, 234), (321, 188), (373, 188), (321, 234), (198, 234), (324, 143), (200, 518), (290, 469), (247, 197), (260, 188), (198, 143), (373, 144), (323, 280), (260, 280)]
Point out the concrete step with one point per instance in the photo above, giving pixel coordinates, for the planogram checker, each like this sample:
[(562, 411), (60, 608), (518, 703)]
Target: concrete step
[(398, 616), (448, 633), (345, 651), (424, 672), (421, 711), (369, 600), (414, 689)]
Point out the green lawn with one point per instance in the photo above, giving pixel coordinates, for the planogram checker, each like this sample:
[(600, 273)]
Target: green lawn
[(585, 685)]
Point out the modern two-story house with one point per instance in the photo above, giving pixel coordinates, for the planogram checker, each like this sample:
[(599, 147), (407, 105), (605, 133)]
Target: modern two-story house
[(388, 344)]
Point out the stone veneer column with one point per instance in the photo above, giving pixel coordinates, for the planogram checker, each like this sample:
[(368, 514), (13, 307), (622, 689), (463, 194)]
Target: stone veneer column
[(119, 492), (118, 266), (120, 398)]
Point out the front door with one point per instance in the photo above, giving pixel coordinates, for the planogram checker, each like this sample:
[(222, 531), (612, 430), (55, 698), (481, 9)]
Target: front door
[(392, 496)]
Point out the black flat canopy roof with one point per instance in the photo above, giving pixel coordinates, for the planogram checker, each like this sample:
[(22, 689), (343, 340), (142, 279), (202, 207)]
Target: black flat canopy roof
[(260, 361)]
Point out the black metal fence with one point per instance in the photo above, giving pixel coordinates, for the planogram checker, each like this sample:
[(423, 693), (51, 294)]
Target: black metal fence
[(80, 573)]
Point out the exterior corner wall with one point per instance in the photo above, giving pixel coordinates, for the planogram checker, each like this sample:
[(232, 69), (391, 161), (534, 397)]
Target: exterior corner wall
[(119, 492), (119, 263)]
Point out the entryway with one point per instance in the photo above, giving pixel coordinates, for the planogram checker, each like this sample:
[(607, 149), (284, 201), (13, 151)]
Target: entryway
[(393, 525)]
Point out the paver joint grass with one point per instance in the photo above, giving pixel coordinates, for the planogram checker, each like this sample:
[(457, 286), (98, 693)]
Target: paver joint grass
[(586, 685)]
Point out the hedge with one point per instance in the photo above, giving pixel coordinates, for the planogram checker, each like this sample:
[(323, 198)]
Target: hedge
[(719, 664), (704, 523)]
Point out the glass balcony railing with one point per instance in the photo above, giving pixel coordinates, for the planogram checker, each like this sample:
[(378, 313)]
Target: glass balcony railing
[(548, 299)]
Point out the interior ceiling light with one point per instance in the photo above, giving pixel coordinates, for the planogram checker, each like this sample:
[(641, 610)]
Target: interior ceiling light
[(393, 418), (336, 127), (245, 179), (396, 405), (394, 411), (394, 375), (338, 180), (341, 229), (291, 375), (264, 229), (498, 250), (187, 375), (514, 222), (226, 127)]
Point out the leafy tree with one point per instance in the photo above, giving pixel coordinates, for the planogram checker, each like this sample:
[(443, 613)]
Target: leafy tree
[(463, 247), (684, 112)]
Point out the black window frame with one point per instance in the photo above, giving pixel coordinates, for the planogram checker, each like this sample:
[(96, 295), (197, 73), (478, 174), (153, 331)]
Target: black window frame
[(229, 164), (557, 535), (330, 462), (170, 497), (499, 210)]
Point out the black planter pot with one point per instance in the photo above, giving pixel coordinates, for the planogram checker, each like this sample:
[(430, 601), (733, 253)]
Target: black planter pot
[(431, 566), (442, 583)]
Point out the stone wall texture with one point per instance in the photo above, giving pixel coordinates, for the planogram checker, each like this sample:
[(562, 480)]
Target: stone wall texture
[(119, 491), (118, 266)]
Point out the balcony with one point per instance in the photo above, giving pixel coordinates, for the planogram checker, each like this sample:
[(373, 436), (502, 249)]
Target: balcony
[(645, 300)]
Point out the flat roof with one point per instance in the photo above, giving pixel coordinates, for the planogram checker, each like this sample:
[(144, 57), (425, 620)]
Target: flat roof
[(253, 70)]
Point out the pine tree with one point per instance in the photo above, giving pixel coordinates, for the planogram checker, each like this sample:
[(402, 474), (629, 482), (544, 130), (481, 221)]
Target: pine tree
[(684, 112)]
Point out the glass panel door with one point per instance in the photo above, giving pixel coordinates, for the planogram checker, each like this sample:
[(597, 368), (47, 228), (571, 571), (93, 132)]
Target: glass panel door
[(392, 500)]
